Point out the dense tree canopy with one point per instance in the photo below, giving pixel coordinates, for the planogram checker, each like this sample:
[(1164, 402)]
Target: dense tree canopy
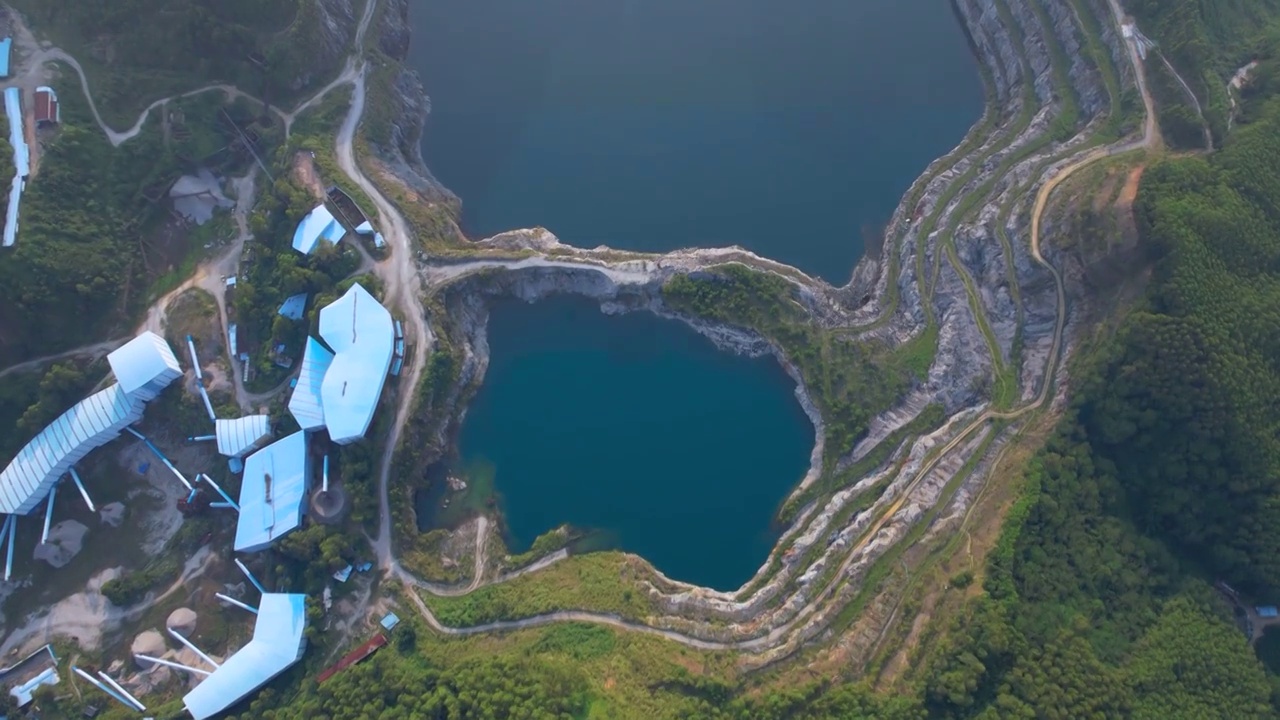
[(1185, 403)]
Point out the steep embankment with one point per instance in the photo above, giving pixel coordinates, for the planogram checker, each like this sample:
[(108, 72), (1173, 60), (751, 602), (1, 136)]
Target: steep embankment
[(964, 287)]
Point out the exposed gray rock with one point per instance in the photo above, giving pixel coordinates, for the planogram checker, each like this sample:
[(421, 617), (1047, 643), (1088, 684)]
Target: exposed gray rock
[(394, 29)]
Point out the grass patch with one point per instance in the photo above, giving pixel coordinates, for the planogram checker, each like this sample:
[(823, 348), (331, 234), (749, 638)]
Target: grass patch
[(606, 582)]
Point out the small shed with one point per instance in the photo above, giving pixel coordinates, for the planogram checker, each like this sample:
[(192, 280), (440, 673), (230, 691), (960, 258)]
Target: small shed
[(294, 307), (390, 621), (1267, 611), (48, 112)]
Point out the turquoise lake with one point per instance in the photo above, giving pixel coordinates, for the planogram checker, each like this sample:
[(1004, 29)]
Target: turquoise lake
[(789, 128), (640, 427)]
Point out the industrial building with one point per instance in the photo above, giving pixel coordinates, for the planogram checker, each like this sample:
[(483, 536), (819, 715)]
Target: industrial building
[(278, 642), (306, 404), (240, 436), (361, 334), (143, 367), (319, 224), (273, 492)]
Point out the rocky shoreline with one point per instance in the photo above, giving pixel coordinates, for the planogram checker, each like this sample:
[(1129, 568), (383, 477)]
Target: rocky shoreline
[(1016, 295)]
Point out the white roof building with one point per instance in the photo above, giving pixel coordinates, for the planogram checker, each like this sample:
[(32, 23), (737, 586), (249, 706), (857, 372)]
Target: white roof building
[(145, 365), (273, 492), (361, 334), (319, 224), (306, 404), (89, 424), (278, 642), (240, 436)]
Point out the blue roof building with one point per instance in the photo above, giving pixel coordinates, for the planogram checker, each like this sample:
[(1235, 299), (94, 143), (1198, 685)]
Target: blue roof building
[(273, 492), (6, 49), (278, 642), (21, 160), (319, 224), (240, 436), (306, 404), (361, 334), (89, 424), (294, 306), (143, 367)]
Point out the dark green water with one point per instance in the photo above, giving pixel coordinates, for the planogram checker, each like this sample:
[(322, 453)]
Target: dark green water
[(641, 427), (787, 127)]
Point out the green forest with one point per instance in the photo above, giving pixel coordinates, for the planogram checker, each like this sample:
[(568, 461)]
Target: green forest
[(264, 47), (1098, 601)]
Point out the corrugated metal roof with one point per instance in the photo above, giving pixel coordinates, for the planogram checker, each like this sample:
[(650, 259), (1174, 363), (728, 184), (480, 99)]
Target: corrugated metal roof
[(273, 492), (294, 306), (89, 424), (11, 211), (334, 232), (306, 404), (365, 228), (17, 138), (312, 228), (278, 642), (360, 332), (238, 436), (144, 360), (21, 159)]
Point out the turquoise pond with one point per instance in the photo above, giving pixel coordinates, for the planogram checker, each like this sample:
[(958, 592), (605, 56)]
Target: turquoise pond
[(638, 426), (791, 128)]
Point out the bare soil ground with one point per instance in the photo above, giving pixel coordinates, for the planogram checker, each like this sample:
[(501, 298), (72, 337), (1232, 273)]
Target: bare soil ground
[(306, 174), (1124, 204)]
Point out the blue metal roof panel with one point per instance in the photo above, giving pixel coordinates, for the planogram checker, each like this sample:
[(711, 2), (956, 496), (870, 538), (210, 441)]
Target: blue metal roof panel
[(294, 306), (238, 436), (361, 334), (312, 228), (306, 404), (6, 48), (278, 642), (273, 492), (143, 360), (88, 424)]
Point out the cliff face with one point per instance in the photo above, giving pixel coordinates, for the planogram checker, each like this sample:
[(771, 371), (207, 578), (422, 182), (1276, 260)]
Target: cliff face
[(327, 29), (980, 201), (401, 150)]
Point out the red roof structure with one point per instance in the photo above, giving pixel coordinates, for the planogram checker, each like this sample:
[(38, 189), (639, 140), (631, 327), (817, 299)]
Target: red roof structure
[(47, 110), (353, 657)]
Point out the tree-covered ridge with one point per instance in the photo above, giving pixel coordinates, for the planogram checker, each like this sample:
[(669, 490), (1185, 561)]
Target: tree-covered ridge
[(1164, 475), (136, 51), (1186, 407), (1206, 41), (76, 267)]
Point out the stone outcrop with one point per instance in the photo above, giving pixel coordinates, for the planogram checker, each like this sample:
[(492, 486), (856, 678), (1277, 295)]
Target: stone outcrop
[(984, 194)]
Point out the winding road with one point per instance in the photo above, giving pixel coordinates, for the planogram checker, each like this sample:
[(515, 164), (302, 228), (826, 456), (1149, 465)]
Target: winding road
[(400, 275), (1150, 138)]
